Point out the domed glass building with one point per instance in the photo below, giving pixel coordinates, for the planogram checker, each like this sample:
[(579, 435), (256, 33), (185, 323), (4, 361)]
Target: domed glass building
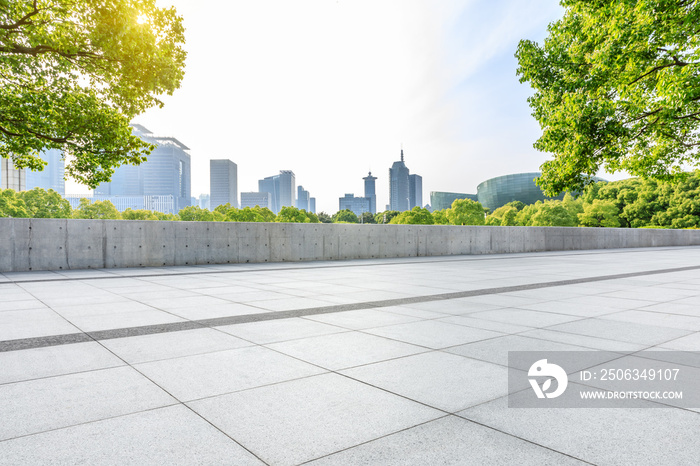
[(501, 190)]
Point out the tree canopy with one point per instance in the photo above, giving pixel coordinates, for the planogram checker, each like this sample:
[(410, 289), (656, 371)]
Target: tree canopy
[(617, 86), (466, 212), (415, 216), (74, 74)]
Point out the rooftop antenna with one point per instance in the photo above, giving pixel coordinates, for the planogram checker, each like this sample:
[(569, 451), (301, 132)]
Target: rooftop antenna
[(402, 151)]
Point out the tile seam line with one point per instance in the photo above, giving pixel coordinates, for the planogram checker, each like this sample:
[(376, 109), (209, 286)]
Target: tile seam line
[(56, 340), (440, 259)]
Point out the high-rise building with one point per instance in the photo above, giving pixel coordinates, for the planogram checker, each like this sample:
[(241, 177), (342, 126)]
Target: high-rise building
[(204, 201), (399, 186), (312, 205), (370, 192), (11, 177), (51, 177), (165, 173), (223, 183), (302, 198), (356, 204), (281, 188), (415, 191), (252, 199)]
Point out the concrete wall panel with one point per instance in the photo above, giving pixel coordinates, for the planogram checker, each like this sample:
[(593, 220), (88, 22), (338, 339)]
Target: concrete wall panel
[(57, 244)]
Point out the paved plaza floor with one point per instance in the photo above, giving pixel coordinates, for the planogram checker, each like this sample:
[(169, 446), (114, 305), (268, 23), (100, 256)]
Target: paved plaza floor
[(396, 361)]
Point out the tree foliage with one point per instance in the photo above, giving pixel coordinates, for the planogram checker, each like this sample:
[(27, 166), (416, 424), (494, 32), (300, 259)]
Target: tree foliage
[(46, 204), (289, 214), (96, 210), (345, 216), (73, 75), (367, 217), (600, 213), (415, 216), (440, 217), (617, 86), (197, 214), (386, 216), (466, 212), (324, 218), (12, 205), (139, 214)]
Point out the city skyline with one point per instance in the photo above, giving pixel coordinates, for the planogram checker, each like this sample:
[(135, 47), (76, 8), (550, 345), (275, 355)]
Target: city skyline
[(301, 88)]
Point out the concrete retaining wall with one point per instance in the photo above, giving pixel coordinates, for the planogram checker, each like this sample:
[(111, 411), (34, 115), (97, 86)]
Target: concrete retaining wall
[(60, 244)]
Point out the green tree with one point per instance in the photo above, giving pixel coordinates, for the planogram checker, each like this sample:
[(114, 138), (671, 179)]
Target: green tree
[(617, 86), (223, 209), (289, 214), (324, 218), (503, 216), (73, 74), (466, 212), (98, 209), (683, 209), (139, 214), (552, 214), (651, 202), (415, 216), (524, 217), (600, 213), (440, 217), (164, 216), (345, 216), (386, 216), (197, 214), (367, 217), (46, 204), (12, 205)]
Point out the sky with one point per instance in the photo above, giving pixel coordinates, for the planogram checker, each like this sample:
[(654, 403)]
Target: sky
[(332, 89)]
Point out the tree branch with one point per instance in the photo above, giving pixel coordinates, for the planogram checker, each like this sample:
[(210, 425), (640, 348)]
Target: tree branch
[(24, 21)]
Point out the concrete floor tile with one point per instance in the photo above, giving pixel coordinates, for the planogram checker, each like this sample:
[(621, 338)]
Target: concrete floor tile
[(601, 436), (113, 320), (205, 375), (172, 435), (19, 305), (583, 340), (29, 323), (342, 350), (297, 421), (271, 331), (38, 405), (468, 321), (687, 343), (656, 318), (362, 319), (621, 331), (496, 350), (433, 334), (570, 308), (170, 345), (54, 360), (447, 441), (524, 317), (441, 380), (454, 306), (216, 310)]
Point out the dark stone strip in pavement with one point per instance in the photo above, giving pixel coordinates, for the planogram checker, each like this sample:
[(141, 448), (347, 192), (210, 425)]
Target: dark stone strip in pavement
[(55, 340), (41, 342)]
